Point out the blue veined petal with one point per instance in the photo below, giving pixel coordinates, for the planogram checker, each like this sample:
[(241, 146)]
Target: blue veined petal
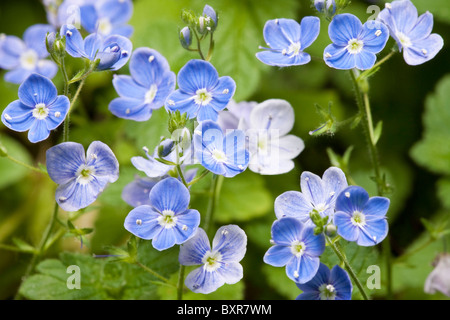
[(165, 239), (142, 222), (170, 194), (278, 256), (18, 116), (273, 58), (147, 66), (125, 49), (365, 60), (313, 188), (231, 272), (234, 146), (339, 57), (123, 30), (423, 50), (292, 204), (182, 101), (38, 131), (310, 295), (127, 87), (312, 287), (92, 45), (286, 230), (315, 244), (34, 38), (131, 109), (341, 282), (151, 167), (343, 28), (232, 170), (101, 157), (207, 112), (63, 161), (423, 27), (265, 165), (197, 74), (74, 41), (334, 181), (374, 36), (57, 112), (46, 68), (288, 147), (37, 89), (89, 17), (117, 11), (187, 225), (211, 136), (376, 206), (231, 242), (276, 115), (373, 232), (404, 14), (302, 269), (345, 228), (202, 281), (206, 159), (352, 199), (18, 75), (136, 193), (222, 93), (193, 250), (290, 29), (309, 31), (165, 87), (274, 36), (108, 58), (11, 47)]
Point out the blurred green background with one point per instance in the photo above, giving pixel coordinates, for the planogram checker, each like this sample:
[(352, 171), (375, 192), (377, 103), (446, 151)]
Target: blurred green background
[(412, 102)]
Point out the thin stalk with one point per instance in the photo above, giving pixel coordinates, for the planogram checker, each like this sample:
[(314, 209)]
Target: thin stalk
[(201, 176), (216, 185), (152, 272), (72, 103), (199, 48), (180, 284), (25, 165), (180, 173), (386, 58), (349, 268)]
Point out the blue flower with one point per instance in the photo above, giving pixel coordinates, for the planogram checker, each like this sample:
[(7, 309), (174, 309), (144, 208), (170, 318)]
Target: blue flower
[(107, 17), (317, 194), (81, 178), (210, 14), (236, 115), (359, 218), (325, 6), (219, 264), (38, 110), (147, 88), (201, 92), (25, 57), (411, 32), (296, 247), (326, 285), (354, 45), (113, 51), (166, 220), (287, 40), (221, 154)]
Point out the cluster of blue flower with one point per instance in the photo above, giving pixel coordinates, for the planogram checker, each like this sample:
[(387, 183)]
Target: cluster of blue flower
[(225, 142)]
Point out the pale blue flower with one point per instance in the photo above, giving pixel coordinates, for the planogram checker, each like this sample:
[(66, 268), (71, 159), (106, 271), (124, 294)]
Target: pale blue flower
[(355, 45), (287, 40), (236, 115), (219, 263), (411, 32)]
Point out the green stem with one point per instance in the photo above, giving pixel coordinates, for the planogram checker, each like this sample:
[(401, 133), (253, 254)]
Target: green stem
[(180, 173), (211, 48), (180, 284), (72, 103), (199, 48), (25, 165), (216, 185), (201, 176), (348, 267), (386, 58), (152, 272)]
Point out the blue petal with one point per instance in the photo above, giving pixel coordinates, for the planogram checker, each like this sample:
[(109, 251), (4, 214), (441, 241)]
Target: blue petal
[(278, 256), (18, 75), (38, 131), (187, 225), (210, 136), (165, 239), (222, 93), (170, 194), (374, 36), (309, 296), (423, 27), (322, 276), (151, 167), (89, 17), (235, 150), (302, 269), (286, 230), (341, 282), (197, 74), (294, 204), (11, 47), (125, 46), (338, 57), (343, 28), (165, 87), (231, 242), (345, 228), (315, 244), (352, 199), (18, 116), (231, 272), (74, 41), (137, 192), (423, 50), (63, 161), (182, 101), (131, 109), (46, 68), (142, 222), (209, 163), (105, 163), (376, 206), (373, 232), (334, 181), (92, 44), (275, 115), (365, 60), (309, 31), (123, 30), (210, 12), (57, 112), (127, 87), (404, 14), (207, 112), (278, 59), (312, 188), (34, 38), (148, 66), (107, 59), (193, 250), (274, 35), (117, 11), (202, 281)]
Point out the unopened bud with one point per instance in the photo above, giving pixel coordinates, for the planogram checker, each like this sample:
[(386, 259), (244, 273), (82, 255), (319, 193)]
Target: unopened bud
[(210, 13), (185, 37)]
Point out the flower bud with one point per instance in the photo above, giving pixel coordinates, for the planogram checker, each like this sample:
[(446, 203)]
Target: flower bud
[(211, 17), (185, 37), (327, 7)]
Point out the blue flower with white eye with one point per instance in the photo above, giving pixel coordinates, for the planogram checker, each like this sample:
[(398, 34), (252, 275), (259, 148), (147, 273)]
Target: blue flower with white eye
[(317, 194), (39, 109), (22, 58), (147, 88), (296, 247), (355, 45), (113, 51), (219, 264), (287, 40), (107, 17), (81, 178), (220, 153), (327, 285), (272, 149), (201, 92), (360, 218), (411, 32), (166, 220)]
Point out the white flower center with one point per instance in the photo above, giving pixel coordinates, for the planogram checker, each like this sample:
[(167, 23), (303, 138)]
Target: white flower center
[(358, 219), (29, 59), (40, 111), (404, 39), (167, 219), (151, 93), (219, 155), (327, 292), (355, 46), (104, 26), (321, 207), (85, 174), (202, 97), (298, 248), (211, 261)]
